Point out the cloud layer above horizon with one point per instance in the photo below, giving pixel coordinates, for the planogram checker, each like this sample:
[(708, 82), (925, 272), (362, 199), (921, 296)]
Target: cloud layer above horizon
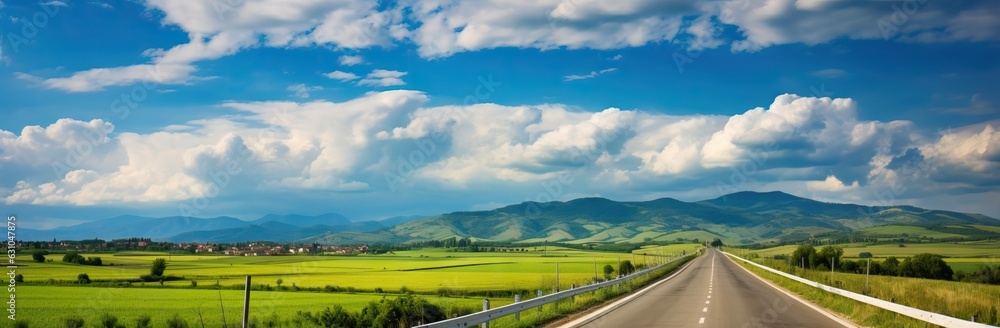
[(442, 28), (390, 143)]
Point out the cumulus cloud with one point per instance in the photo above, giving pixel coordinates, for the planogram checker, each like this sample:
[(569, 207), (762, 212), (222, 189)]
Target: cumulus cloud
[(765, 23), (54, 4), (387, 141), (216, 30), (351, 60), (383, 78), (590, 75), (831, 184), (302, 91), (342, 76), (449, 27), (446, 27)]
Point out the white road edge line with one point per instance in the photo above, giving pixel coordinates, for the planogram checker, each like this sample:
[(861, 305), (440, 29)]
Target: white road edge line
[(798, 298), (611, 307)]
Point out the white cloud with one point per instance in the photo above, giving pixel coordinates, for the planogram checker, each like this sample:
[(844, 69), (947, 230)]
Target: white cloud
[(216, 30), (342, 76), (383, 78), (302, 91), (351, 60), (453, 26), (102, 4), (804, 128), (384, 141), (617, 57), (54, 3), (590, 75), (831, 184), (705, 34), (765, 23)]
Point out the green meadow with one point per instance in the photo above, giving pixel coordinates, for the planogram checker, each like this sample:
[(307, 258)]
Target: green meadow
[(463, 277)]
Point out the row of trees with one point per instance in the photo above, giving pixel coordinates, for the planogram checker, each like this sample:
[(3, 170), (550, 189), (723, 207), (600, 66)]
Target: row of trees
[(74, 257), (926, 265)]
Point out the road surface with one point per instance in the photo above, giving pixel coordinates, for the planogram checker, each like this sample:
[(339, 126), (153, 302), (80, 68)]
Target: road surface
[(711, 292)]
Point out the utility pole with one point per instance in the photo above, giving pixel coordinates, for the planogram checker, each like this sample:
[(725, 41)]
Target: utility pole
[(595, 270), (557, 277), (246, 304)]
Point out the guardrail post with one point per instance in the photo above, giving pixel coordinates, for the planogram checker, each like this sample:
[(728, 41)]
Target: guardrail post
[(539, 296), (517, 299), (486, 306)]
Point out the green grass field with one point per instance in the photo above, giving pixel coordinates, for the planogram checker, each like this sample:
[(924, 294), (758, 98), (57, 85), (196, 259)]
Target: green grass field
[(422, 271), (896, 230), (419, 270), (46, 306)]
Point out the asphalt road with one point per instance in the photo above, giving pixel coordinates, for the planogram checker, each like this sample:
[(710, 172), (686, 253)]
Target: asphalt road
[(712, 292)]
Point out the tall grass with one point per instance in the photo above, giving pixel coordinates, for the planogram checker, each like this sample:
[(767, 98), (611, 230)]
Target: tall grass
[(957, 299)]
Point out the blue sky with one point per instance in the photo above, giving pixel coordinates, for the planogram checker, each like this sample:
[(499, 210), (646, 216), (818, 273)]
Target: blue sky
[(135, 107)]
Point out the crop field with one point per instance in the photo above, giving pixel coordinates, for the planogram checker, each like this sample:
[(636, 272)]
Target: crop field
[(426, 271), (909, 230), (46, 306)]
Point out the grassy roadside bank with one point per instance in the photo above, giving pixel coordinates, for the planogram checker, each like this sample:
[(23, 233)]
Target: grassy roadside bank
[(955, 299)]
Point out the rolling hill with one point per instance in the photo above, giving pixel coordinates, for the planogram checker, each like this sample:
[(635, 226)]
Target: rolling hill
[(742, 217)]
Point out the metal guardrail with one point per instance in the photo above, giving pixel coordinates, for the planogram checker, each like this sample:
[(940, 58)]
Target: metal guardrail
[(493, 314), (926, 316)]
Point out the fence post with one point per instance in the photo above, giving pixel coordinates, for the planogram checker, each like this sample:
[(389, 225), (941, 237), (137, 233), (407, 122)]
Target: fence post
[(246, 303), (517, 299), (486, 306)]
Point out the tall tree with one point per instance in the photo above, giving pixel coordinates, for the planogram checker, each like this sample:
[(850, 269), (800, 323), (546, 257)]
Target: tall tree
[(159, 265)]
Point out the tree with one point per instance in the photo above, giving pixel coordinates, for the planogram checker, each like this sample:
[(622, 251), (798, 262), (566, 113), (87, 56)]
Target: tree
[(804, 253), (609, 271), (926, 265), (890, 266), (279, 282), (159, 265), (83, 278), (716, 242), (626, 267), (830, 255), (72, 257), (865, 255), (19, 278), (39, 255)]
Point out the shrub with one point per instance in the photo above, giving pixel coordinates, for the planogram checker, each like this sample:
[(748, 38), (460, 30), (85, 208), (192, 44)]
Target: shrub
[(73, 322), (20, 324), (177, 322), (83, 278), (110, 321), (19, 278), (865, 255), (926, 265), (143, 321), (39, 255), (194, 283)]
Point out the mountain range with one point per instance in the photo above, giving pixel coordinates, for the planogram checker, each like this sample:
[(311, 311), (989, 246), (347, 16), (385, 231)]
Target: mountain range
[(741, 217)]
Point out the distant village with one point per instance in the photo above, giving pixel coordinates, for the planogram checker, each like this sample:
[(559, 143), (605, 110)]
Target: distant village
[(261, 248)]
